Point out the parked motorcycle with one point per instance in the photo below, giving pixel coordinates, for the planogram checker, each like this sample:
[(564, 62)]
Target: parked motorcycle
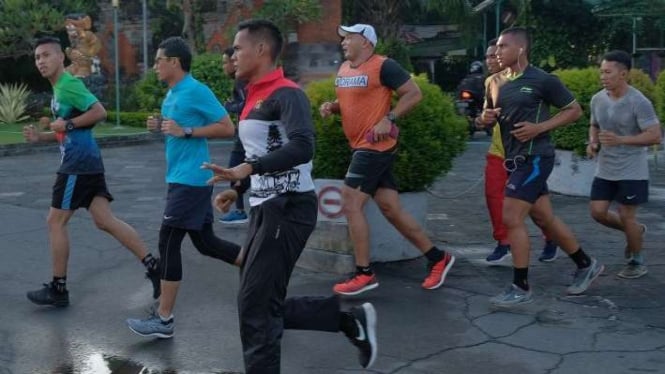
[(470, 107)]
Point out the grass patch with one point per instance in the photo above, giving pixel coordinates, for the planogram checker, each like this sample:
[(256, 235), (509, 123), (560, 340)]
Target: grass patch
[(11, 133)]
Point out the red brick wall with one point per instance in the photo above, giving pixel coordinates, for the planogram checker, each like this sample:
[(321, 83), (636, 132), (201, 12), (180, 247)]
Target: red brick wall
[(325, 29)]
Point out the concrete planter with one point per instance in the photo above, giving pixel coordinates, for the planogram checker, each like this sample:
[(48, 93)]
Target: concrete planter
[(572, 175), (329, 248)]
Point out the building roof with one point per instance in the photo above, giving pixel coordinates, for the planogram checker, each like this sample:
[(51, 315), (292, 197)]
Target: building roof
[(431, 41)]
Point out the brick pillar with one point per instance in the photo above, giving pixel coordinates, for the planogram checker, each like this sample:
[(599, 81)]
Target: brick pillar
[(323, 30)]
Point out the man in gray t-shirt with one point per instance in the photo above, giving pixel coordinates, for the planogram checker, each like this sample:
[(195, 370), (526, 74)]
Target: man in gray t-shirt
[(624, 123)]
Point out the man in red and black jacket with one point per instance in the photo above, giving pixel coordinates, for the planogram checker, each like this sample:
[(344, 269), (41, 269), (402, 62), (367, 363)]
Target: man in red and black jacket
[(277, 133)]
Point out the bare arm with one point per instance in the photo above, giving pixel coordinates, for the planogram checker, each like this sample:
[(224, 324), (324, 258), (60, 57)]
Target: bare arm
[(221, 129), (649, 136), (566, 116), (409, 96), (33, 135), (95, 114), (594, 143)]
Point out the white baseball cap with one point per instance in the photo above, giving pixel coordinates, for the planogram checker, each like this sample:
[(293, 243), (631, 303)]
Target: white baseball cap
[(365, 30)]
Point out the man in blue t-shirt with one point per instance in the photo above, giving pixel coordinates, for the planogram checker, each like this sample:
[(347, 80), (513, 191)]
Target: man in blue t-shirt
[(80, 182), (191, 114), (520, 104)]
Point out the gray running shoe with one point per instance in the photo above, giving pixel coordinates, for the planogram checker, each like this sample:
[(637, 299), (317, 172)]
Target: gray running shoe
[(512, 296), (584, 277), (633, 270), (152, 326), (48, 295)]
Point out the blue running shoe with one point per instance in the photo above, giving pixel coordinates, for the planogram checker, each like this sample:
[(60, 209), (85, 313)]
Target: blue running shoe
[(549, 252), (234, 217), (152, 326), (500, 252)]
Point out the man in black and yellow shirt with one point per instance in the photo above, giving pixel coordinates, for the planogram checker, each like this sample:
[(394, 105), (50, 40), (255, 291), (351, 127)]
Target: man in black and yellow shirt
[(522, 110)]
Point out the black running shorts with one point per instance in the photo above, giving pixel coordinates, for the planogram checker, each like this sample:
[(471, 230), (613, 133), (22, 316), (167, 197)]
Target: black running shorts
[(371, 170), (71, 191)]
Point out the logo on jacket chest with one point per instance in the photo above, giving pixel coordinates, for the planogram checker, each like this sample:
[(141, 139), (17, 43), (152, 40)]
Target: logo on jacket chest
[(350, 82), (258, 105)]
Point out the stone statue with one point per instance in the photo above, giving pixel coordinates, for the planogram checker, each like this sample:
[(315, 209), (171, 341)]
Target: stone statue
[(84, 45)]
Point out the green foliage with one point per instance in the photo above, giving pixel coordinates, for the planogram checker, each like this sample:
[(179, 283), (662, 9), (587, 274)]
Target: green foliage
[(397, 50), (206, 67), (13, 102), (565, 34), (430, 137), (149, 92), (22, 20), (642, 82), (660, 90), (583, 83), (332, 155), (131, 119), (166, 19), (288, 14)]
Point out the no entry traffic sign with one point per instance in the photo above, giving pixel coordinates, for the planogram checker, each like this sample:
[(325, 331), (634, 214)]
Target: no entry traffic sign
[(330, 201)]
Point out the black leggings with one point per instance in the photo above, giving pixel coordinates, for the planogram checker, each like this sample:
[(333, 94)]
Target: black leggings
[(205, 241)]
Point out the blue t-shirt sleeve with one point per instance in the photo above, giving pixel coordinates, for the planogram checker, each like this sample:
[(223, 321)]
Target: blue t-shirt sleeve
[(206, 104)]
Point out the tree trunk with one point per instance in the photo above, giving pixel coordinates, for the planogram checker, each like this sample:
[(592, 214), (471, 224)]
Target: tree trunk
[(188, 27), (384, 15)]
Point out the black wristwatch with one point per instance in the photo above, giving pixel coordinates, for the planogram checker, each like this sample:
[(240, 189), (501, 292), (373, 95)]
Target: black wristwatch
[(188, 132), (69, 126), (391, 116), (256, 165)]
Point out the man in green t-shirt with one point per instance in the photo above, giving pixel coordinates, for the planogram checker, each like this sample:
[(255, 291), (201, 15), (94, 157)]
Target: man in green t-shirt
[(80, 181)]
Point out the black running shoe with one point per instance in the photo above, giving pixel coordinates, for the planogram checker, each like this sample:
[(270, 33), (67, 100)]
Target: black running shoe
[(365, 318), (154, 277), (48, 295)]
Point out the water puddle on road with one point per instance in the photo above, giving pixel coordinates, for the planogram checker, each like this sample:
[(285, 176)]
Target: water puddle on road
[(98, 363)]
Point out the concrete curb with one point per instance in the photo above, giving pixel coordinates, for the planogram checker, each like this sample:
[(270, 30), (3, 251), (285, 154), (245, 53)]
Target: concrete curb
[(103, 142)]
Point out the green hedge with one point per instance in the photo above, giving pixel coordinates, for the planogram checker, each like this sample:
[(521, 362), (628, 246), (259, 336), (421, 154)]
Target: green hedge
[(131, 119), (206, 67), (584, 83), (430, 137), (660, 91)]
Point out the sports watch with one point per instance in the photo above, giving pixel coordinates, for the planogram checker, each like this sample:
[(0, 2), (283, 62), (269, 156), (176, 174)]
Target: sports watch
[(391, 116), (188, 132), (256, 165), (69, 125)]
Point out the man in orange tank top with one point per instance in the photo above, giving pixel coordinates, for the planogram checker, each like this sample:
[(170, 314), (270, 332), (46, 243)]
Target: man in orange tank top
[(364, 86)]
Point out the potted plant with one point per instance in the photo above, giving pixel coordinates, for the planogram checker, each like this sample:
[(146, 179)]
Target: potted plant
[(430, 137)]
